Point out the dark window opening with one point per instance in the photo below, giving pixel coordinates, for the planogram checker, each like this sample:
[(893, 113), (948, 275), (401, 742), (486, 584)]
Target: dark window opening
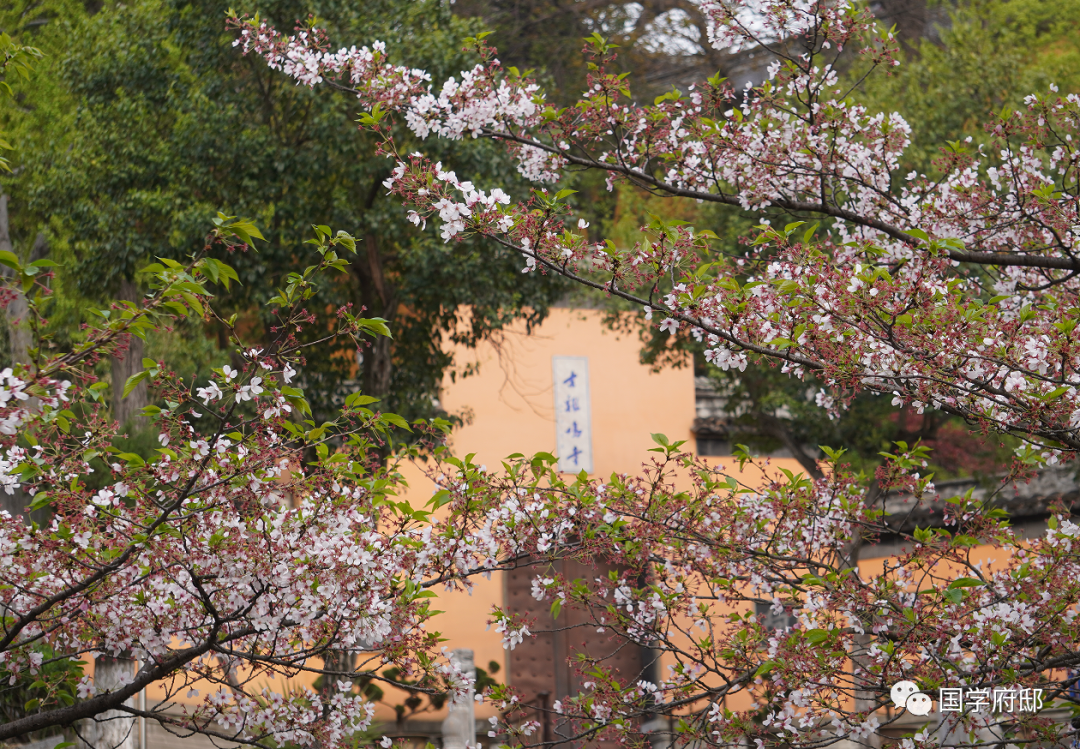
[(712, 446), (772, 620)]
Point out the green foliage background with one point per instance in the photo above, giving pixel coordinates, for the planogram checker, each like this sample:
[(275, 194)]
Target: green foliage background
[(984, 56), (144, 121)]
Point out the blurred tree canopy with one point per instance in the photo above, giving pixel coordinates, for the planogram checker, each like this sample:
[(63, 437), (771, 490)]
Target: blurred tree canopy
[(981, 56), (147, 121)]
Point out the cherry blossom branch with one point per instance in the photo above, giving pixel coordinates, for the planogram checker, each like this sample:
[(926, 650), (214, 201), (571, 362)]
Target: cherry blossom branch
[(658, 185)]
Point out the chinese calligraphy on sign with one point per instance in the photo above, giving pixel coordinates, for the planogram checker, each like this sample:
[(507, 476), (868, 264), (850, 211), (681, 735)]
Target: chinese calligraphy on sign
[(573, 417)]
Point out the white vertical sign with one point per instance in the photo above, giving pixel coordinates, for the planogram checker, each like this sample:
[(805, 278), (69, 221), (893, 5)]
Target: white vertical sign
[(573, 419)]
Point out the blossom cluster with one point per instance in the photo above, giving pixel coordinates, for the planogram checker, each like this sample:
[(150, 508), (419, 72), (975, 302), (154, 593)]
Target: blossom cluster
[(955, 293), (220, 560), (470, 107), (689, 571), (215, 552)]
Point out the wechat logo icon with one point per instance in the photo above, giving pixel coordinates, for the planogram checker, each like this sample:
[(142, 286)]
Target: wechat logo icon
[(906, 694)]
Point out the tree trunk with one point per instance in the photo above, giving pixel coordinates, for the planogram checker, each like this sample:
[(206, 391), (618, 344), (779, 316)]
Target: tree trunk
[(128, 411), (378, 368), (113, 729), (19, 333), (380, 298), (20, 340), (774, 426), (341, 661), (14, 504)]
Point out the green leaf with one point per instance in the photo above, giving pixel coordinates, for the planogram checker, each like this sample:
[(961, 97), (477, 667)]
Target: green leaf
[(176, 307), (742, 454), (396, 421), (211, 269), (343, 237), (245, 230), (191, 286), (834, 455), (133, 382), (375, 325), (765, 668), (965, 582), (358, 399), (370, 119), (441, 497), (193, 302)]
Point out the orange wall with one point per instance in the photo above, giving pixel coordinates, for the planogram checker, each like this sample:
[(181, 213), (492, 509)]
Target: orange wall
[(511, 398), (511, 403)]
